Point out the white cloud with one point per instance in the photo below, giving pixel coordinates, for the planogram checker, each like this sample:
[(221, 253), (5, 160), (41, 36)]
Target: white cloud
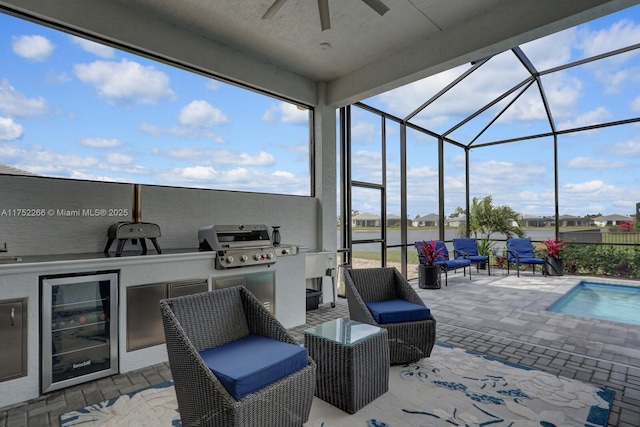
[(198, 173), (590, 163), (99, 142), (10, 130), (293, 115), (599, 115), (195, 121), (363, 132), (287, 113), (223, 157), (34, 48), (405, 99), (57, 78), (559, 43), (621, 34), (610, 71), (15, 104), (44, 162), (201, 114), (591, 188), (97, 49), (125, 82), (238, 179), (625, 149), (181, 132), (213, 85), (119, 159)]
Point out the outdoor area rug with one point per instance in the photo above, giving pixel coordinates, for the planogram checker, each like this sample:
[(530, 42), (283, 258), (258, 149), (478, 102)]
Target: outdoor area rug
[(451, 388)]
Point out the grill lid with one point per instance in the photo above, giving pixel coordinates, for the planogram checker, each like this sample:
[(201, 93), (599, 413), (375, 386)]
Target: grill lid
[(237, 245), (222, 237)]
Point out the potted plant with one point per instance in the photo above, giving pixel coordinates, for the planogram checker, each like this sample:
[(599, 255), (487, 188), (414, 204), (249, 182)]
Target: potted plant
[(428, 272), (484, 249), (553, 264)]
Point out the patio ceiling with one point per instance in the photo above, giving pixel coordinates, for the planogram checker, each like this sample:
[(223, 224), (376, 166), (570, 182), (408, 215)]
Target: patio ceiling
[(363, 53)]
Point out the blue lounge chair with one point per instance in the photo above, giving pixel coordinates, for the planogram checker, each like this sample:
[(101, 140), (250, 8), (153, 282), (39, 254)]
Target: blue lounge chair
[(445, 263), (521, 251), (467, 248)]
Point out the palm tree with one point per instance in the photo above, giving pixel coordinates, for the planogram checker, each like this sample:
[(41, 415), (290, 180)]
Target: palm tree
[(486, 219)]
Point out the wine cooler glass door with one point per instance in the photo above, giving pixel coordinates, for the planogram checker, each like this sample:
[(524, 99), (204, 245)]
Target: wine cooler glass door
[(79, 329)]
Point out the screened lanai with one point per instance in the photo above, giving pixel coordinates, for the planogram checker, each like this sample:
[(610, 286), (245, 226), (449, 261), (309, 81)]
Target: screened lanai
[(548, 128)]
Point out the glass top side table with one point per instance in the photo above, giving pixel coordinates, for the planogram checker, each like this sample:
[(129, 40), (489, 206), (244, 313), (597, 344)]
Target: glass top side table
[(352, 361), (344, 331)]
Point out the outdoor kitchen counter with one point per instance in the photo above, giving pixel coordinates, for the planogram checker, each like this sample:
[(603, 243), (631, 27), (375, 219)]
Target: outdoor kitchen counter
[(21, 280)]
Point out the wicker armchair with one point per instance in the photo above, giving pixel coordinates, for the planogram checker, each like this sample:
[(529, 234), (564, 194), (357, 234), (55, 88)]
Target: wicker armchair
[(208, 320), (408, 341)]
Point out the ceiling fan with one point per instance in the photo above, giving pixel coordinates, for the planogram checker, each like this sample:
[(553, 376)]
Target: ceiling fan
[(323, 9)]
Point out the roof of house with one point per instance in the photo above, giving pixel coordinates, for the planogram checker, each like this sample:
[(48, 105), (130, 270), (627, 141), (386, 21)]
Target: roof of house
[(10, 170)]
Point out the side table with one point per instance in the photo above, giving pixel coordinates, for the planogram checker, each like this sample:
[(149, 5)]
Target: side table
[(352, 361)]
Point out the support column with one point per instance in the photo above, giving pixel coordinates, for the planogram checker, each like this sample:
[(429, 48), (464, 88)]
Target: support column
[(325, 172)]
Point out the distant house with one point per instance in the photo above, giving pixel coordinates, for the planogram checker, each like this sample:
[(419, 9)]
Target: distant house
[(532, 221), (9, 170), (456, 222), (394, 221), (365, 220), (431, 220), (574, 221), (609, 220)]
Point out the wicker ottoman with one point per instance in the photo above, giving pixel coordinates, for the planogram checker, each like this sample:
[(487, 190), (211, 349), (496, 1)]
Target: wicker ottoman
[(352, 362)]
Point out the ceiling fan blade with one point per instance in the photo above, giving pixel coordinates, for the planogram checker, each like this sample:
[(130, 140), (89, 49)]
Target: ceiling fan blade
[(377, 5), (323, 8), (273, 9)]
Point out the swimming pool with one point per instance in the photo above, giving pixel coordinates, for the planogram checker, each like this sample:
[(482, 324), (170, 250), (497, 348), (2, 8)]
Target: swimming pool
[(617, 303)]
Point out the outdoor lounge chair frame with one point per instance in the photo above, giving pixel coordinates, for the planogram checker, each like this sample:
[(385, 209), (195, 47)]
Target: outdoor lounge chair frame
[(516, 254), (196, 322), (408, 341)]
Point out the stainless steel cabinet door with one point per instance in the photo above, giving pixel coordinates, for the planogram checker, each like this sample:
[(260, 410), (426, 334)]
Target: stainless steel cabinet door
[(13, 336), (144, 322)]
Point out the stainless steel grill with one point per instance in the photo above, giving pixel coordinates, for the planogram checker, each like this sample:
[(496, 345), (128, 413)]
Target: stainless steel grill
[(238, 245)]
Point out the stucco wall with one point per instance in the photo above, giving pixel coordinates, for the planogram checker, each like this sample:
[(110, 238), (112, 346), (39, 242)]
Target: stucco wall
[(69, 216)]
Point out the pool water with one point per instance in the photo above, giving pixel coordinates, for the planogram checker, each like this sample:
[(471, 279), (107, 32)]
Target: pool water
[(616, 303)]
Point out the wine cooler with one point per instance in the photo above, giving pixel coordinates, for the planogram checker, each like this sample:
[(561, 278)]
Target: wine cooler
[(79, 329)]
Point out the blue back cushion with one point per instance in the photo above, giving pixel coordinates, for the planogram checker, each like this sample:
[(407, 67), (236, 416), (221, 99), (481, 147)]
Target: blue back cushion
[(466, 245), (397, 311), (444, 252), (250, 363), (523, 247)]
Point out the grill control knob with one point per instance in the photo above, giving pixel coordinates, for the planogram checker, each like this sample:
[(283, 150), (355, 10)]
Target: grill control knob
[(243, 258), (269, 255), (229, 259), (256, 257)]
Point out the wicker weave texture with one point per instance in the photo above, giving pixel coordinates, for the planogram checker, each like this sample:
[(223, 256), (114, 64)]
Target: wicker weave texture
[(200, 321), (408, 341), (350, 377)]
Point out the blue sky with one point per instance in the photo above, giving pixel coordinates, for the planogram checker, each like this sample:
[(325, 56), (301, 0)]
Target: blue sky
[(599, 169), (75, 109)]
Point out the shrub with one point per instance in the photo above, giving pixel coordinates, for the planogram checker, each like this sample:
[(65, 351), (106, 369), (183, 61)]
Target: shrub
[(602, 261)]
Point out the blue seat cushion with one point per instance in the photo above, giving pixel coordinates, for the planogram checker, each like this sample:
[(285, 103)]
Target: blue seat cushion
[(529, 260), (478, 258), (252, 362), (397, 311), (454, 263)]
